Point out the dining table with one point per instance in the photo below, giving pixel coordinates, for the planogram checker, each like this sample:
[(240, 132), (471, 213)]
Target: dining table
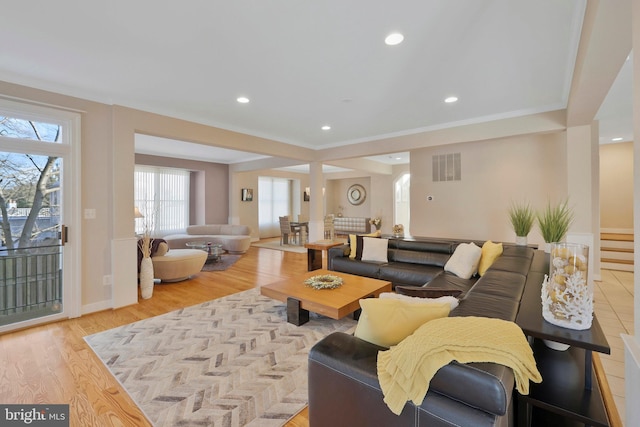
[(304, 230)]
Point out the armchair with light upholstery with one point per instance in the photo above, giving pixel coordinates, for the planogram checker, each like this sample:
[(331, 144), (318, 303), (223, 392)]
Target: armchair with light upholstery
[(176, 264)]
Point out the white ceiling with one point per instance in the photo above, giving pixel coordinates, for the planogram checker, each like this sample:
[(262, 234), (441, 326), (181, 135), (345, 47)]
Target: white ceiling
[(303, 64)]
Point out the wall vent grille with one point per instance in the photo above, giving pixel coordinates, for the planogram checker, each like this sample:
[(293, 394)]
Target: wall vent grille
[(447, 167)]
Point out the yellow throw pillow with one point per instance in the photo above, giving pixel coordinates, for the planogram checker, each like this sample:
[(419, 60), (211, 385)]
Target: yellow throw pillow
[(490, 252), (353, 244), (386, 322)]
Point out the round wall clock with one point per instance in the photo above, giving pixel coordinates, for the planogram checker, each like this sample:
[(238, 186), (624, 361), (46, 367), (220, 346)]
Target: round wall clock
[(356, 194)]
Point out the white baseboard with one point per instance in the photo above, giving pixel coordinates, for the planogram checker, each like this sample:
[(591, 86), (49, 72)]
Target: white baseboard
[(96, 306)]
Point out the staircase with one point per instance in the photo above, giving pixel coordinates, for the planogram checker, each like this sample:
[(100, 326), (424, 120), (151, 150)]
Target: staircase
[(616, 251)]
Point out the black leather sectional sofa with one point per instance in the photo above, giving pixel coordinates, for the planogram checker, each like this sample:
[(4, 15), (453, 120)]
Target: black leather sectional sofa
[(343, 384)]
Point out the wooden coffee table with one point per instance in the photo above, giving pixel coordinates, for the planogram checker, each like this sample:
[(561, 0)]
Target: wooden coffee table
[(333, 303)]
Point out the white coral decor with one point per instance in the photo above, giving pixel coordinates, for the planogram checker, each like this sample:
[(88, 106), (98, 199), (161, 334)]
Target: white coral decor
[(567, 298)]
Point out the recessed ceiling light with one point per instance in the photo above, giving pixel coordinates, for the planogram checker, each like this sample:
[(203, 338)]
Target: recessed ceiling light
[(394, 39), (616, 139), (242, 100), (326, 127), (451, 99)]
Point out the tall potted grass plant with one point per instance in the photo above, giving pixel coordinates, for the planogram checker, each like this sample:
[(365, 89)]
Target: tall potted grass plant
[(522, 217), (554, 222)]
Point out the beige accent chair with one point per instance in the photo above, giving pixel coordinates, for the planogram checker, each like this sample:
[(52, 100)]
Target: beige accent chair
[(176, 265)]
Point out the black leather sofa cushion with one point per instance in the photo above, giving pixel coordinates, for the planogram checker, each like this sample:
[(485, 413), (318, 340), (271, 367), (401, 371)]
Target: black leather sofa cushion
[(480, 385), (408, 274), (422, 292), (441, 411), (447, 280), (418, 257), (515, 264), (504, 284), (487, 306), (431, 245), (359, 268)]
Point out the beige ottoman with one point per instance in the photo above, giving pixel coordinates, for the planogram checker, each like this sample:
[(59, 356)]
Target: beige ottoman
[(178, 264)]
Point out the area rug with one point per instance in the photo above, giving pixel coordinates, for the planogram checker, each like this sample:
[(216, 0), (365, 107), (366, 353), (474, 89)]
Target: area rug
[(226, 261), (233, 361), (275, 244)]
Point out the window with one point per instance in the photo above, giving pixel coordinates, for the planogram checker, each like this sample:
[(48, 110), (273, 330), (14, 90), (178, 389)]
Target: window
[(12, 127), (274, 201), (162, 196)]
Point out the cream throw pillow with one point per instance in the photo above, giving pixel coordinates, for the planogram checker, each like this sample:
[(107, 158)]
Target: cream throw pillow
[(464, 261), (374, 249), (490, 252), (387, 321), (353, 242)]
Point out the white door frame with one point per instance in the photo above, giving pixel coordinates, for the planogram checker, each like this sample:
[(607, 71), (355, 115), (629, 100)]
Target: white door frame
[(69, 150)]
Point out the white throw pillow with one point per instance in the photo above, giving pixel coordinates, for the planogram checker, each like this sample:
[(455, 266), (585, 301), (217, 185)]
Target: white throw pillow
[(374, 249), (464, 261), (453, 301)]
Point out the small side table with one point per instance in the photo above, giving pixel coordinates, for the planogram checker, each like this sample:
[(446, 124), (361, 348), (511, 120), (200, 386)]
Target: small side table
[(314, 252)]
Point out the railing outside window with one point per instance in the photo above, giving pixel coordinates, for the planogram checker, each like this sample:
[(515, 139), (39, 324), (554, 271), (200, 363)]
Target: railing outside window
[(30, 282)]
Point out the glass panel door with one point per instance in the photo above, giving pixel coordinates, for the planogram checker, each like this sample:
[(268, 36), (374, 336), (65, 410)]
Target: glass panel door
[(31, 249), (402, 202)]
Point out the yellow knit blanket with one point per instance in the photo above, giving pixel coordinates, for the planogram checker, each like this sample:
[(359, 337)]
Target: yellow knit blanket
[(405, 370)]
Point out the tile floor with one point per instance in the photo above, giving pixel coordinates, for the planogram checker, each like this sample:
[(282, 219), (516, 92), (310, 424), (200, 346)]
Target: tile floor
[(613, 304)]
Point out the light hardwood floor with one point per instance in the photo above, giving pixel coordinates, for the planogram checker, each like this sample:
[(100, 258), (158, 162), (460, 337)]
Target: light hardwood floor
[(53, 364)]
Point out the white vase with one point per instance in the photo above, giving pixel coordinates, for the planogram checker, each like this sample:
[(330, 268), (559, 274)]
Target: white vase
[(146, 278), (521, 240)]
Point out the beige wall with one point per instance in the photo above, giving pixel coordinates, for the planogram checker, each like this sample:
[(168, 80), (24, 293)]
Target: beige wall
[(494, 173), (337, 196), (616, 186)]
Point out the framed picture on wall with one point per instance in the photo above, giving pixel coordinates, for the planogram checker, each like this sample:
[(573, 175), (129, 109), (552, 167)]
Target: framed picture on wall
[(307, 194), (247, 194)]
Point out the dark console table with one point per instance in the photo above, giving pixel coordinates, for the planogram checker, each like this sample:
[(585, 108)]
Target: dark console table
[(569, 391)]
